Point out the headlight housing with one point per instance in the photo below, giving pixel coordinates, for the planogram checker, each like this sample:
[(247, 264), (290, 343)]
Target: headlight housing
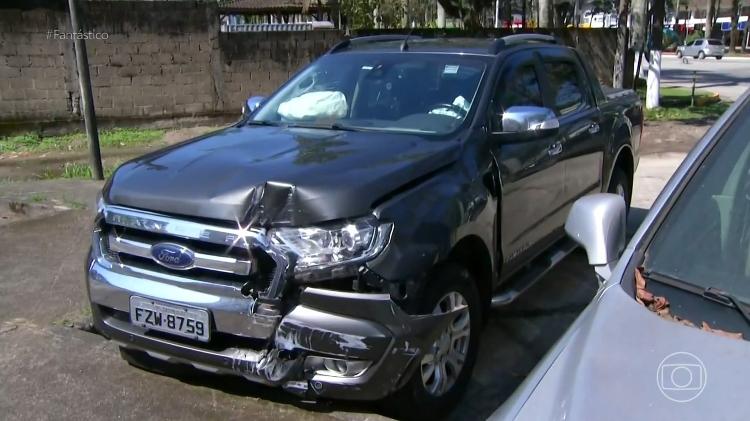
[(328, 246)]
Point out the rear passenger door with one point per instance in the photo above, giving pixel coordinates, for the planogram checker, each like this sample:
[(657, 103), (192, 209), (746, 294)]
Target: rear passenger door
[(582, 134), (531, 176)]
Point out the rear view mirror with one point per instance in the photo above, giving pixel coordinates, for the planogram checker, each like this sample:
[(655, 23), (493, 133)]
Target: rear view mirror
[(532, 120), (251, 105), (597, 223)]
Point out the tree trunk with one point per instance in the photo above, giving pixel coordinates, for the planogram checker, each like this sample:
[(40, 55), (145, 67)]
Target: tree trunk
[(710, 18), (653, 84), (618, 78), (545, 17), (735, 21)]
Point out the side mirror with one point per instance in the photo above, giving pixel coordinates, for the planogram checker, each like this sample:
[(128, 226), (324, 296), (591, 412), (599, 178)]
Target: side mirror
[(531, 120), (252, 104), (597, 223)]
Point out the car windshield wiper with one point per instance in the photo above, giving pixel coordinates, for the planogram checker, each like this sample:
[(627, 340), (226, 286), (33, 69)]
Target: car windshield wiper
[(728, 299), (332, 126), (262, 123), (714, 294)]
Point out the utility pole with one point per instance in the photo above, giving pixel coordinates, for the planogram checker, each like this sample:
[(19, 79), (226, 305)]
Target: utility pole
[(84, 80)]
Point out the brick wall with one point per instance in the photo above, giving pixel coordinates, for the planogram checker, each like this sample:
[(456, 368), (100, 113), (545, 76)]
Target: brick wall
[(165, 60)]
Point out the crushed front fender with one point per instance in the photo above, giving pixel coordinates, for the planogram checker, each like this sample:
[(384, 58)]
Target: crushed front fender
[(358, 326)]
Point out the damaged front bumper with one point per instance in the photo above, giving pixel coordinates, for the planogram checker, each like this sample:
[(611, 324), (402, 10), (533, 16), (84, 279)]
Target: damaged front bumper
[(374, 344)]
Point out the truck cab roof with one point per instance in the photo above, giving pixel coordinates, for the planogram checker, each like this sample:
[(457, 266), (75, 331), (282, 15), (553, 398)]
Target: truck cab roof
[(458, 45)]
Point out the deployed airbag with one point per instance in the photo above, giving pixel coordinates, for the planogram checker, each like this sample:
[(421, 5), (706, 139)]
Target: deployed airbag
[(312, 105)]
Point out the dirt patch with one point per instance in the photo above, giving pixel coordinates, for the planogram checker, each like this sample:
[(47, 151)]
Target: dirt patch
[(179, 135), (25, 166), (13, 211), (671, 136)]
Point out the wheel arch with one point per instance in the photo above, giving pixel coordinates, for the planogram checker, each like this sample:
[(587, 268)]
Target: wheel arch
[(472, 253)]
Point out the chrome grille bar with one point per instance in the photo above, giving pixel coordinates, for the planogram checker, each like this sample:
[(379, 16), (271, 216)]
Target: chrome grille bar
[(160, 224), (202, 261)]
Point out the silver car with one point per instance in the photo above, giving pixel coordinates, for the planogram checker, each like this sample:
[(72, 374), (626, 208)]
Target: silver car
[(666, 336), (702, 48)]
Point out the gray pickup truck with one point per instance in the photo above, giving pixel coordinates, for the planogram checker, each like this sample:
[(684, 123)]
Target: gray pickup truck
[(348, 236)]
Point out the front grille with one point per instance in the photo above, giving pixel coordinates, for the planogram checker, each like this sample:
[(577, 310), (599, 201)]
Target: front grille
[(220, 254)]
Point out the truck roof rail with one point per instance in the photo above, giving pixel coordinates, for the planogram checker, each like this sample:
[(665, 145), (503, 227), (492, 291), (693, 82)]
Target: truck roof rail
[(369, 40), (516, 39)]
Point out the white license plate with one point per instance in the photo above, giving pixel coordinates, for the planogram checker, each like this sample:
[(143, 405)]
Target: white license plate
[(175, 319)]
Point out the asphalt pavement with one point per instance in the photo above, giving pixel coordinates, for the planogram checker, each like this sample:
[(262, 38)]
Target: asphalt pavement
[(729, 77)]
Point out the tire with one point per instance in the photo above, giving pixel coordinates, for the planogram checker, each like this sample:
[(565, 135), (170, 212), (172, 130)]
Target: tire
[(679, 54), (719, 57), (414, 401), (701, 55), (621, 185)]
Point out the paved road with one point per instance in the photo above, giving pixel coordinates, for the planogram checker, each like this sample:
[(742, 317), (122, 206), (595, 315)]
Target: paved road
[(52, 370), (730, 77)]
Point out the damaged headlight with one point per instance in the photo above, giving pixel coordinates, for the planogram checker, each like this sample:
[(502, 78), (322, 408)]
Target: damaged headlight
[(328, 246)]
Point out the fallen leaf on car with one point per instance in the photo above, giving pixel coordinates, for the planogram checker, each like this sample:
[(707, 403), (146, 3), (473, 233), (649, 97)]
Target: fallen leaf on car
[(660, 306), (724, 333)]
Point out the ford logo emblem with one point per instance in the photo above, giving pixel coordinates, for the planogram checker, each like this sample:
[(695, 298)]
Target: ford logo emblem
[(173, 256)]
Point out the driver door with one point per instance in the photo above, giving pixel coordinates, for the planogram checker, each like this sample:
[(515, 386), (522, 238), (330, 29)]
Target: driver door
[(529, 168)]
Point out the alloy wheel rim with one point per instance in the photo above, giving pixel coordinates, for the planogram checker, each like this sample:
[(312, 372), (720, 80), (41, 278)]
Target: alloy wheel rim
[(443, 363)]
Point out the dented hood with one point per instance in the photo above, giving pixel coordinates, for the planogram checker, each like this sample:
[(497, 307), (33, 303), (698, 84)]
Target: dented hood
[(620, 361), (277, 175)]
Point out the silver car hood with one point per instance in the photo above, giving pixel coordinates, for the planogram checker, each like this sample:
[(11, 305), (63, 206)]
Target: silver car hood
[(607, 366)]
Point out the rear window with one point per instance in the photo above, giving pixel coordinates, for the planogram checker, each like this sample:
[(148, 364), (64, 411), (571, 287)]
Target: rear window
[(714, 42)]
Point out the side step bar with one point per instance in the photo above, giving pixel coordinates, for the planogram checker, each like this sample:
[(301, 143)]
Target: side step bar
[(535, 271)]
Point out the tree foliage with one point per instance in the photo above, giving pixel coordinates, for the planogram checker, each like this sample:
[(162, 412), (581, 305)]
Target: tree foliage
[(368, 14)]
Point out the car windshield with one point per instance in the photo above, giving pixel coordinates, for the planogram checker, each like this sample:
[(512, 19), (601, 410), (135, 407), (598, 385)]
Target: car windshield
[(400, 92), (705, 238)]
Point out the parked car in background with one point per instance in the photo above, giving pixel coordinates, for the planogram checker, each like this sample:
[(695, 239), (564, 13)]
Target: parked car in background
[(702, 48), (666, 336), (346, 238)]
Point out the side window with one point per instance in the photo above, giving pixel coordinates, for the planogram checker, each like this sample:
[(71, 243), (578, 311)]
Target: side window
[(521, 88), (567, 89)]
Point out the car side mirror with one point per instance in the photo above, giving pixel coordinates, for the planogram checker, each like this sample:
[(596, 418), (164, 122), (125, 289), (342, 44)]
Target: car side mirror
[(597, 222), (529, 120), (252, 104)]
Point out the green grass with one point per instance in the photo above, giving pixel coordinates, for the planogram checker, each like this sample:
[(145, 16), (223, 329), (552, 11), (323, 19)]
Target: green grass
[(116, 138), (675, 105), (76, 170), (37, 197), (706, 112)]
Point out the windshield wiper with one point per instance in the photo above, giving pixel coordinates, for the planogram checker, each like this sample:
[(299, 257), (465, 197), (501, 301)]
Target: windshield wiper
[(729, 300), (714, 294), (261, 123), (332, 126)]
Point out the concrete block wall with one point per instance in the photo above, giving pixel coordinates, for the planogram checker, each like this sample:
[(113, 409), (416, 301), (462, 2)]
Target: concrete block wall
[(167, 60), (36, 77), (257, 63)]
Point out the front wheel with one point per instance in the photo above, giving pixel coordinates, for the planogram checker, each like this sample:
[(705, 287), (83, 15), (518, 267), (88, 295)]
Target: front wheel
[(621, 185), (679, 54), (718, 57), (443, 372), (701, 55)]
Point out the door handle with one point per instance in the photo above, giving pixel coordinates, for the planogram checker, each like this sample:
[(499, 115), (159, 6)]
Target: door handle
[(594, 128), (555, 148)]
